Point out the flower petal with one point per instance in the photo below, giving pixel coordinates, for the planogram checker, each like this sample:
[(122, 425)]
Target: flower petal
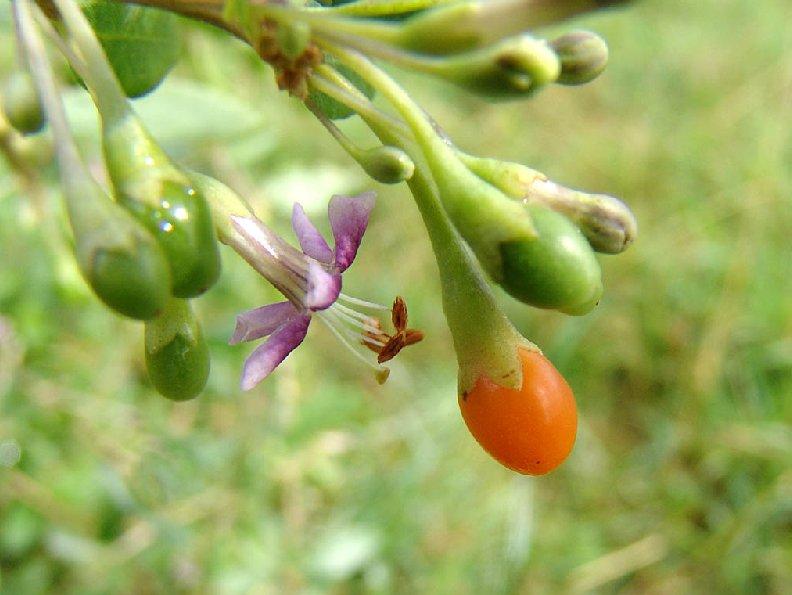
[(262, 321), (269, 355), (349, 216), (323, 287), (311, 241)]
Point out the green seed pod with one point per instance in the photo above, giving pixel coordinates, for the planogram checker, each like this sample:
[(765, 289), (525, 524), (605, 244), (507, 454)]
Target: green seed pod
[(165, 201), (21, 104), (119, 259), (142, 44), (511, 68), (556, 270), (583, 55), (177, 356)]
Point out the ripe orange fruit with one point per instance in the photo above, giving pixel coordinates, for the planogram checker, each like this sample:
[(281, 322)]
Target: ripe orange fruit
[(530, 430)]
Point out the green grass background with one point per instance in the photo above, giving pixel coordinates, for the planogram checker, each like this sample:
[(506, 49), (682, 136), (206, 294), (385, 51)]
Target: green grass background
[(319, 481)]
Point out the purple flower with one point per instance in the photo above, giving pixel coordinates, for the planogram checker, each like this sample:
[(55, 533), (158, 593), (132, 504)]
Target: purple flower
[(310, 279)]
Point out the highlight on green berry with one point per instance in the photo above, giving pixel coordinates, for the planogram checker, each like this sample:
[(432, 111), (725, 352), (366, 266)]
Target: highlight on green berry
[(177, 356), (21, 103)]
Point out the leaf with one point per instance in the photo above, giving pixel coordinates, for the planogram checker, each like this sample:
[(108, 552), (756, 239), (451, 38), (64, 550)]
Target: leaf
[(142, 44)]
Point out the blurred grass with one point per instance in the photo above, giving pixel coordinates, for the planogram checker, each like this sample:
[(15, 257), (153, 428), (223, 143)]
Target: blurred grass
[(320, 481)]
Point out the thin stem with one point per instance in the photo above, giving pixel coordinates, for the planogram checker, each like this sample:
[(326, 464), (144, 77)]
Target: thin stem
[(435, 149), (330, 82), (379, 8), (75, 61), (342, 139), (99, 76), (322, 21), (72, 170), (407, 60)]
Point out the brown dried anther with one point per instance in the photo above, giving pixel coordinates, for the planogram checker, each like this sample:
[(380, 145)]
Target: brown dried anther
[(388, 346)]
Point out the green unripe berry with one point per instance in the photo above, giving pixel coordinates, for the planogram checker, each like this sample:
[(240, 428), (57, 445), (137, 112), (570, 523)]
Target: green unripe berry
[(134, 284), (120, 260), (163, 199), (21, 104), (556, 270), (182, 224), (177, 356)]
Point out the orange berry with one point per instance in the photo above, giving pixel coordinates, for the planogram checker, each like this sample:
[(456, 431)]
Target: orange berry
[(530, 430)]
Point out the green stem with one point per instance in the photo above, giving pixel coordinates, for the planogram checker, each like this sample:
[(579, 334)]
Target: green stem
[(380, 8), (342, 139), (330, 82), (99, 76), (322, 21), (73, 174), (484, 340)]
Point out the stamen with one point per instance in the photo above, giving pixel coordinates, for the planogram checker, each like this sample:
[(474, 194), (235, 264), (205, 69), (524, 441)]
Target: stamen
[(371, 332), (323, 317), (362, 303), (364, 318)]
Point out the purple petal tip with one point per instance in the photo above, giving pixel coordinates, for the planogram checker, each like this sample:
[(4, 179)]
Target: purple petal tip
[(349, 217)]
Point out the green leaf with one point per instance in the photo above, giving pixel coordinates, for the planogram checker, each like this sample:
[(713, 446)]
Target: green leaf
[(142, 44)]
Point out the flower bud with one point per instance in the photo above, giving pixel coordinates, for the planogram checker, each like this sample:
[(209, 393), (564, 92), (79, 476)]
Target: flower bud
[(177, 356), (608, 224), (513, 67), (165, 201), (556, 270), (386, 164), (21, 104), (583, 56)]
